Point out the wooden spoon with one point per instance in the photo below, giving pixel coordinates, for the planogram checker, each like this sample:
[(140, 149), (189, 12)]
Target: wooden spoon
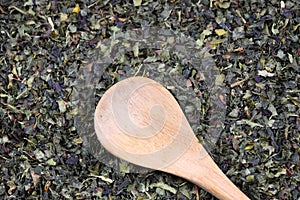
[(139, 121)]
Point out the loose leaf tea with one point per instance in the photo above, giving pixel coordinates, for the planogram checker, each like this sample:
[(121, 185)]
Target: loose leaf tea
[(45, 45)]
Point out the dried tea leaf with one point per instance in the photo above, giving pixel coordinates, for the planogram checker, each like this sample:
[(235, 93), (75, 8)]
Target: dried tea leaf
[(136, 49), (274, 30), (280, 54), (76, 9), (4, 139), (220, 79), (39, 155), (124, 167), (12, 187), (185, 191), (250, 123), (271, 149), (249, 146), (234, 113), (296, 27), (224, 4), (103, 178), (250, 178), (63, 17), (291, 59), (205, 33), (240, 15), (3, 95), (215, 43), (247, 94), (270, 122), (35, 177), (51, 162), (164, 187), (238, 33), (220, 32), (73, 28), (62, 106), (265, 73), (137, 2), (281, 171), (77, 141), (30, 81), (10, 83), (272, 109)]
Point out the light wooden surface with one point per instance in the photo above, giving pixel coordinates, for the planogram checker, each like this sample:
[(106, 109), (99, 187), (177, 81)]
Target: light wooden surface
[(138, 120)]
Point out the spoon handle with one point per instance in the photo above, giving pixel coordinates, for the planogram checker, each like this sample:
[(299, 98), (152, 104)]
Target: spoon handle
[(198, 167)]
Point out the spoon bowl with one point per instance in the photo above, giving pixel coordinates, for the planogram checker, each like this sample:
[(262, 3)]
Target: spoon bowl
[(139, 121)]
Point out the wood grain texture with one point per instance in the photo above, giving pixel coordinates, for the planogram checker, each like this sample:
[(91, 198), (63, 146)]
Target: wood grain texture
[(138, 120)]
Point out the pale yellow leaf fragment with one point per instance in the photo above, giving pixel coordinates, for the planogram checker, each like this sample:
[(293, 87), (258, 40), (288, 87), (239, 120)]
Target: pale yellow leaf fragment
[(137, 2), (10, 81), (220, 32), (265, 73), (76, 9), (63, 17), (249, 146), (51, 162), (62, 106), (296, 26), (240, 15), (30, 81)]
